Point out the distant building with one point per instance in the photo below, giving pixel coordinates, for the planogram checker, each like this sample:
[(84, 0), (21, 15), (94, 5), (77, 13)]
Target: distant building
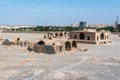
[(117, 23), (82, 24), (118, 27), (98, 25)]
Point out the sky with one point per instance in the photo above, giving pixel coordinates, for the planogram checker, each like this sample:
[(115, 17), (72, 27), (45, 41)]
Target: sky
[(58, 12)]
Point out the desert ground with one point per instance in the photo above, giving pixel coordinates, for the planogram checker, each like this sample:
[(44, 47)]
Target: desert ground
[(100, 62)]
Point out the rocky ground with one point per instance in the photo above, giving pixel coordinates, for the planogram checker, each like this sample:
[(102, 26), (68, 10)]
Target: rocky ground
[(100, 62)]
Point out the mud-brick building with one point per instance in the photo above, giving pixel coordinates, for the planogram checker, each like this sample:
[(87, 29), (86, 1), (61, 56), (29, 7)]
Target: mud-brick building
[(17, 42), (57, 35), (91, 36), (54, 46)]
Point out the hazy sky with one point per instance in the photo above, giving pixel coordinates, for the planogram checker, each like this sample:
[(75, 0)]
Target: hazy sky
[(58, 11)]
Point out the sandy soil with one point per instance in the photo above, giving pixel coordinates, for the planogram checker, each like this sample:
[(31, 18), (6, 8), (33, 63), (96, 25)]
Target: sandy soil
[(100, 62)]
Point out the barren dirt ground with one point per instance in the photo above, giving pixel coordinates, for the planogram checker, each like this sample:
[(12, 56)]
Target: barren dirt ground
[(100, 62)]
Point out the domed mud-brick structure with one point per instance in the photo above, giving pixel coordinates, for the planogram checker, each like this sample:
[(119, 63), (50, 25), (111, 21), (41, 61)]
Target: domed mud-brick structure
[(53, 46)]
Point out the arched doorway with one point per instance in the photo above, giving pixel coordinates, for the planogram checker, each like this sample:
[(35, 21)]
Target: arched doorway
[(61, 34), (88, 37), (41, 43), (51, 33), (56, 34), (97, 38), (18, 39), (102, 36), (74, 44), (82, 36), (75, 37), (65, 33), (68, 46), (60, 48)]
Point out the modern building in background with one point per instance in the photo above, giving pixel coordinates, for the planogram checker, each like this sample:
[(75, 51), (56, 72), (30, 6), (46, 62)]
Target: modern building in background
[(117, 23), (82, 24)]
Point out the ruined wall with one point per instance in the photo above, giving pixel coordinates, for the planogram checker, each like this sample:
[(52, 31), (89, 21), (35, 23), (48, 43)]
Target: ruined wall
[(43, 49)]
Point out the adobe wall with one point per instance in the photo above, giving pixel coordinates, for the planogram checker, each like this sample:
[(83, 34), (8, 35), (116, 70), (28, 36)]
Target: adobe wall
[(76, 35), (90, 37)]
